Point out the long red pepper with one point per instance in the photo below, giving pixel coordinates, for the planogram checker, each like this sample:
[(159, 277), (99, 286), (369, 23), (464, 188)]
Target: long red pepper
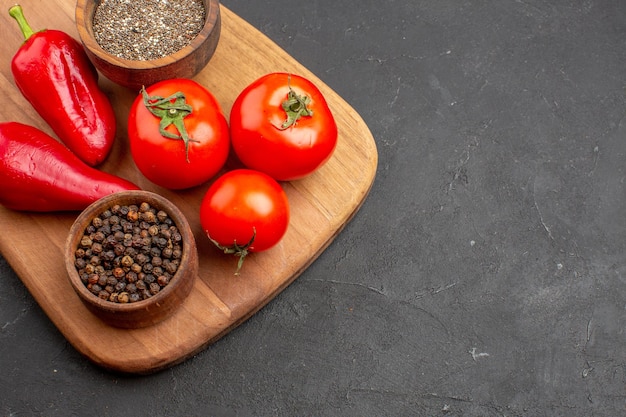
[(38, 173), (54, 74)]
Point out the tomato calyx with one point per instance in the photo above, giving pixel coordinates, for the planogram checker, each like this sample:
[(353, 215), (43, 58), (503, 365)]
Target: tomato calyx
[(296, 107), (171, 110), (235, 249)]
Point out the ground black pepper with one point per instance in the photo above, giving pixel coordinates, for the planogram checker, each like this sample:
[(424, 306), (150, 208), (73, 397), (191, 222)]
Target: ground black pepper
[(147, 29), (131, 266)]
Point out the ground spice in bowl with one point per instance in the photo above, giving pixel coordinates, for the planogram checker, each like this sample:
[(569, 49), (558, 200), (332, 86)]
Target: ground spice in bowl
[(145, 30)]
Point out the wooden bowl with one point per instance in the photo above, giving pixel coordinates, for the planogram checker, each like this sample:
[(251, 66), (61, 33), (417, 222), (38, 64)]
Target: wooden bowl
[(185, 63), (151, 310)]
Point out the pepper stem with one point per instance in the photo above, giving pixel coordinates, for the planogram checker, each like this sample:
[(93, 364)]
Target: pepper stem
[(17, 13)]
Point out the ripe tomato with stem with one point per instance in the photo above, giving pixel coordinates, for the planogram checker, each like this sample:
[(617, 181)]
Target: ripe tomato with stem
[(179, 136), (282, 125), (244, 211)]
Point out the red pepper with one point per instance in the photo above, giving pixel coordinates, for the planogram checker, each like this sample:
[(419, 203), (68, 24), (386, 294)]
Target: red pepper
[(54, 74), (38, 173)]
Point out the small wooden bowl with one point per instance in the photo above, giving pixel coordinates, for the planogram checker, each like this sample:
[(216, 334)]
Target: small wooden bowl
[(185, 63), (145, 312)]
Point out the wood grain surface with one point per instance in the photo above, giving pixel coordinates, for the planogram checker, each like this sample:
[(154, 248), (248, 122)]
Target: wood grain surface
[(320, 204)]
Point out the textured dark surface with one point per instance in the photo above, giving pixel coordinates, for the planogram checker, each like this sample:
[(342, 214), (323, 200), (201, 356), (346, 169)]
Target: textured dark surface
[(485, 274)]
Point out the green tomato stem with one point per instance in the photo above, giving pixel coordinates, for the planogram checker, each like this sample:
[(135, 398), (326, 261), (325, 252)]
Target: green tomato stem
[(235, 249), (296, 107), (171, 110)]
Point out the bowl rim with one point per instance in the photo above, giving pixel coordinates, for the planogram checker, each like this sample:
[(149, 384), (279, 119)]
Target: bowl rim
[(212, 16), (128, 197)]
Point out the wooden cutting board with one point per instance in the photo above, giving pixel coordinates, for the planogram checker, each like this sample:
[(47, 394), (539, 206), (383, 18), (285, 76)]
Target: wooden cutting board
[(321, 205)]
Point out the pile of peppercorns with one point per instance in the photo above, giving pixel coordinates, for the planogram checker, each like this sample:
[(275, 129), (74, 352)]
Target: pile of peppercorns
[(129, 253)]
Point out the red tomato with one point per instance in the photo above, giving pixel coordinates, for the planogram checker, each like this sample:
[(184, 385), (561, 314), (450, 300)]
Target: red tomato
[(244, 211), (194, 142), (281, 125)]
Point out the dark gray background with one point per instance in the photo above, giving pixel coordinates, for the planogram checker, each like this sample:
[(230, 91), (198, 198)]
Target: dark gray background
[(485, 274)]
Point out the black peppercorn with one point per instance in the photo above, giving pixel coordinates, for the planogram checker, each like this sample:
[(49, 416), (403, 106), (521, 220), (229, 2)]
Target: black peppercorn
[(167, 252), (141, 259), (119, 249), (127, 261), (127, 226), (99, 236), (163, 280), (131, 277), (108, 255), (170, 267), (137, 241), (86, 242), (149, 217), (154, 288), (155, 252), (132, 215), (106, 228), (96, 222), (162, 216), (153, 230), (102, 280), (96, 248)]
